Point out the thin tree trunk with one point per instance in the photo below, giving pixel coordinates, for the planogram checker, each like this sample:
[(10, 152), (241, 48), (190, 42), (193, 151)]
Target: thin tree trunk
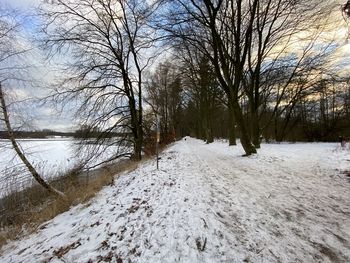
[(210, 136), (209, 129), (232, 127), (21, 155), (210, 110)]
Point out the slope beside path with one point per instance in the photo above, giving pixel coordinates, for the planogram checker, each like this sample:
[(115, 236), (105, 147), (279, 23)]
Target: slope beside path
[(208, 204)]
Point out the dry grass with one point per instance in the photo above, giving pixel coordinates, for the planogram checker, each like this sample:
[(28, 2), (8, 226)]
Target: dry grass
[(31, 207)]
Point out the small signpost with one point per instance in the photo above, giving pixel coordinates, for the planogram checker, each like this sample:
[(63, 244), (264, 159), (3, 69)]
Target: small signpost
[(157, 140)]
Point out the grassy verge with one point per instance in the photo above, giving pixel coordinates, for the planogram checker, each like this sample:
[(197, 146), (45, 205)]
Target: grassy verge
[(22, 212)]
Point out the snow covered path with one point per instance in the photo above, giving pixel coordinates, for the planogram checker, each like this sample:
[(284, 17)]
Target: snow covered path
[(289, 203)]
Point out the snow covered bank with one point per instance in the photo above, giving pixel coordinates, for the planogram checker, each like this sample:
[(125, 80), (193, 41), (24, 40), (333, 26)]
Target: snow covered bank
[(289, 203)]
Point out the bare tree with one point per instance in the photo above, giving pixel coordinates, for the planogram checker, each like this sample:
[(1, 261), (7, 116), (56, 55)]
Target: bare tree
[(164, 96), (202, 88), (10, 52), (279, 28), (109, 43), (18, 150), (222, 30), (239, 38)]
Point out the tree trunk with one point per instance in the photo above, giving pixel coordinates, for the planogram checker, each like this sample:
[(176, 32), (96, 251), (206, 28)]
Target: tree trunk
[(210, 137), (232, 127), (255, 129), (138, 146), (137, 133), (245, 136), (21, 155), (207, 123)]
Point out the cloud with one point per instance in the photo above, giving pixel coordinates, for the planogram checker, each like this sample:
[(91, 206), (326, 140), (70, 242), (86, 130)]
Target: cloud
[(48, 118), (23, 5), (34, 74)]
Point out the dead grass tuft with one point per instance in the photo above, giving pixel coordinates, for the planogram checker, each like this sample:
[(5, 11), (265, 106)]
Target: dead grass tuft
[(25, 211)]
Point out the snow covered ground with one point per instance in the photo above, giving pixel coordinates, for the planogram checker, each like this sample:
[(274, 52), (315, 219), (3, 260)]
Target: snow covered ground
[(289, 203)]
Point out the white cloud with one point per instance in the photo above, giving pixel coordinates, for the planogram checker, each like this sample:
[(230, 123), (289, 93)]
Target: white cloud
[(22, 4)]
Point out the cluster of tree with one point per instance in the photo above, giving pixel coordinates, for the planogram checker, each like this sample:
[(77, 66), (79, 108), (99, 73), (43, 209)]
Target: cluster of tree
[(253, 69), (246, 68), (316, 110), (83, 132), (239, 68), (39, 134)]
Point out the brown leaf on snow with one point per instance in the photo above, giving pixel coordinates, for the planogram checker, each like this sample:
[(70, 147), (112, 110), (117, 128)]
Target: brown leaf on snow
[(64, 250)]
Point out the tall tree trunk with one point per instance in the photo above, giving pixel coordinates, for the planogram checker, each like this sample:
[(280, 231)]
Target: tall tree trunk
[(232, 127), (245, 135), (210, 136), (136, 131), (210, 110), (139, 141), (206, 120), (254, 101), (254, 126), (138, 144), (20, 154), (209, 129)]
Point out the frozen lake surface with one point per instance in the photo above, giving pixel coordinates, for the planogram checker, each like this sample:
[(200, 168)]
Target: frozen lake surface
[(51, 157)]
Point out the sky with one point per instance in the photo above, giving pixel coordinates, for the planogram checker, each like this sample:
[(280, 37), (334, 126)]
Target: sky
[(46, 117), (41, 116), (22, 4), (26, 8)]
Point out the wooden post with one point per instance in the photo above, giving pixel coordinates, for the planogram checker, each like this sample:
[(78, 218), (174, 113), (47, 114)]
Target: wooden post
[(157, 140)]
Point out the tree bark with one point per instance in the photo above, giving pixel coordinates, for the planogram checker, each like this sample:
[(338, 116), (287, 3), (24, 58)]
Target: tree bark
[(255, 128), (138, 147), (21, 155), (232, 127), (245, 135), (136, 131)]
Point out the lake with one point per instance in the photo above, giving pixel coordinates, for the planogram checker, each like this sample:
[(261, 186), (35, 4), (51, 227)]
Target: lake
[(51, 157)]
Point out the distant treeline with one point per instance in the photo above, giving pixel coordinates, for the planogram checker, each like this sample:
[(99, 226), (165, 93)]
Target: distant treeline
[(42, 134), (36, 134)]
